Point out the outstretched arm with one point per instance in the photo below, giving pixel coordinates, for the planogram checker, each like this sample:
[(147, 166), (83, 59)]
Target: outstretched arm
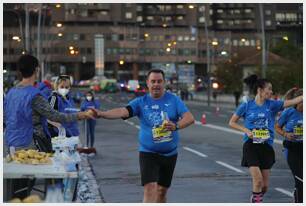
[(116, 113), (294, 101)]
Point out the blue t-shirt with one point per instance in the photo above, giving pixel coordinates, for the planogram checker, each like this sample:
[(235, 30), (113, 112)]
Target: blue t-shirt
[(293, 122), (150, 112), (260, 117)]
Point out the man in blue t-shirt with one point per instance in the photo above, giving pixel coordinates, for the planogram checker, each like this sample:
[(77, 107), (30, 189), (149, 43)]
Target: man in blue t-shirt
[(161, 114)]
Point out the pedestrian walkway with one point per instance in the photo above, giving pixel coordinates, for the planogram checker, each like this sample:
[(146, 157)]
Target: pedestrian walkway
[(222, 101)]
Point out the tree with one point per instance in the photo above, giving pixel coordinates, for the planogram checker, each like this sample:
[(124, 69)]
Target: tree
[(284, 77), (229, 75)]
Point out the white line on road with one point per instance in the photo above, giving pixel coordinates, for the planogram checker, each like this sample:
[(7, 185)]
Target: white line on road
[(228, 130), (195, 152), (301, 180), (229, 167), (286, 192), (137, 126)]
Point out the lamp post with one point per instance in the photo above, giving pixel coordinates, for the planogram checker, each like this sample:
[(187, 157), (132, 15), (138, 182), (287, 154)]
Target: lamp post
[(207, 60), (263, 39)]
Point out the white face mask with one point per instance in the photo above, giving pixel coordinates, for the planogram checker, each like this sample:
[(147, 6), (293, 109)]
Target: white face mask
[(63, 91), (89, 98)]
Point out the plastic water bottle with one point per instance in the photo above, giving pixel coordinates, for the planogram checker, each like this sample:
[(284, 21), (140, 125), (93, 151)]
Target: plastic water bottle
[(61, 132)]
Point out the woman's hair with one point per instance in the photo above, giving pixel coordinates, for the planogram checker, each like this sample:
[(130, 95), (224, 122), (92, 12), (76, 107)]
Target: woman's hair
[(61, 79), (292, 93), (254, 83)]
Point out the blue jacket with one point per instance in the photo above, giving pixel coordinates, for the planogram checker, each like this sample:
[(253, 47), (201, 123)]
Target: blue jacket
[(67, 106), (18, 116), (85, 105)]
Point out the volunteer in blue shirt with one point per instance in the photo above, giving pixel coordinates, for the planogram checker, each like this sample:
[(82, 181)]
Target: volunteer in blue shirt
[(90, 103), (24, 109), (61, 101), (161, 115), (259, 117), (290, 126)]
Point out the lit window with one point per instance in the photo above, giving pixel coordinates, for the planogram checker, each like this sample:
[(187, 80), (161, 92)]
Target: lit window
[(268, 22), (236, 11), (72, 11), (186, 38), (180, 38), (252, 42), (237, 21), (168, 18), (220, 21), (139, 18), (202, 19), (230, 22), (168, 7), (249, 21), (128, 15), (219, 11), (235, 42), (202, 8), (179, 6), (104, 13), (192, 38), (268, 12), (211, 12), (150, 18), (247, 43), (279, 16), (291, 17), (226, 41), (139, 8), (247, 11), (180, 18), (84, 13)]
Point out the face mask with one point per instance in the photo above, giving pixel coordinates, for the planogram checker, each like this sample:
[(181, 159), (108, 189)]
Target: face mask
[(89, 98), (63, 91)]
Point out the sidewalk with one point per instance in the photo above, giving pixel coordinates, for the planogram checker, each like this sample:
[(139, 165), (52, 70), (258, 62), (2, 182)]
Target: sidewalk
[(222, 100)]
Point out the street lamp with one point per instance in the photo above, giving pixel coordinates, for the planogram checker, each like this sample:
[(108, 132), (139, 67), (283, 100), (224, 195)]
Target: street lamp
[(121, 62), (59, 25), (285, 38), (16, 38), (60, 34)]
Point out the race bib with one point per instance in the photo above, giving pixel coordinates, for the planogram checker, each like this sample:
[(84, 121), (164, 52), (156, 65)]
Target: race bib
[(161, 135), (298, 133), (260, 135)]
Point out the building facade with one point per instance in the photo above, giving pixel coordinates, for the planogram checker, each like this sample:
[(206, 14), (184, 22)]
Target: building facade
[(139, 36)]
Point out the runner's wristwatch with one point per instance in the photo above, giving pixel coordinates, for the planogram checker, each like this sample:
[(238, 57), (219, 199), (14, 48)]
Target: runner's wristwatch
[(177, 126)]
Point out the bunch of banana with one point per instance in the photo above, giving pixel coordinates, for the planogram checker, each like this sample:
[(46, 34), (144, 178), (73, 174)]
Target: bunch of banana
[(28, 199), (32, 157)]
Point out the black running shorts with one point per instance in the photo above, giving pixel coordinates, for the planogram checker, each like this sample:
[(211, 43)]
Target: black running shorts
[(260, 155), (156, 168)]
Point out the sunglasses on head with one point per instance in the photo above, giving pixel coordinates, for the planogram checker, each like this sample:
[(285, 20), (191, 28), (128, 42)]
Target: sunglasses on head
[(60, 77)]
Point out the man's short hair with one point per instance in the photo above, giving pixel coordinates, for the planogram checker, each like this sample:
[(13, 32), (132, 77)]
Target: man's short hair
[(27, 65), (156, 71)]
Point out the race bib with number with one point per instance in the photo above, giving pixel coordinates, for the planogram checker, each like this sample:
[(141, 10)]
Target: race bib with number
[(298, 133), (260, 135), (161, 135)]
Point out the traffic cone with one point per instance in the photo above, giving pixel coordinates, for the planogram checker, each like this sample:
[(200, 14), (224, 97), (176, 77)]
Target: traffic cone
[(203, 119)]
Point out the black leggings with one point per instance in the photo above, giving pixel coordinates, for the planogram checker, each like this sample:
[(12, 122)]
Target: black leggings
[(295, 162)]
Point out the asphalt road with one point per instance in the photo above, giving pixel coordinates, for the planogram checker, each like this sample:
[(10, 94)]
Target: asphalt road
[(208, 167)]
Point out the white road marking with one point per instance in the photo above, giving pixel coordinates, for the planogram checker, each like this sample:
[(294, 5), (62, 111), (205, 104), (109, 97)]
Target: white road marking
[(286, 192), (137, 126), (228, 130), (195, 152), (301, 180), (229, 167)]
